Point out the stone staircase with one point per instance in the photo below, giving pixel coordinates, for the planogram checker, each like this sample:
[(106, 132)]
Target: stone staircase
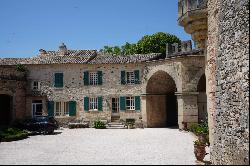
[(115, 123)]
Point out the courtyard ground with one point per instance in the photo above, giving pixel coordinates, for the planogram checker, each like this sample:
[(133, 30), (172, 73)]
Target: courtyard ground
[(110, 146)]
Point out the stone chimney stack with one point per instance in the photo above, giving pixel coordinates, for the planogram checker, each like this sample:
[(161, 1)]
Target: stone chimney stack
[(42, 52), (63, 49), (186, 46)]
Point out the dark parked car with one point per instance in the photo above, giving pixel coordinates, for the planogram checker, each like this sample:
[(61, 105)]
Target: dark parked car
[(41, 124)]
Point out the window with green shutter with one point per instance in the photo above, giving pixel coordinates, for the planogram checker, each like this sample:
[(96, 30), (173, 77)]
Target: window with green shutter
[(86, 104), (50, 108), (72, 108), (86, 78), (122, 103), (137, 76), (123, 77), (58, 80), (137, 103), (99, 77), (100, 103)]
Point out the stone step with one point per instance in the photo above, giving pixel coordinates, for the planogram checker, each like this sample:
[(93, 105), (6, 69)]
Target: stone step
[(115, 123), (116, 127), (115, 119)]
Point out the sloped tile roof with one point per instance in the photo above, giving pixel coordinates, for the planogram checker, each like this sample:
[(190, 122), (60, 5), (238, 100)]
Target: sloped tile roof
[(79, 57), (106, 59), (53, 57)]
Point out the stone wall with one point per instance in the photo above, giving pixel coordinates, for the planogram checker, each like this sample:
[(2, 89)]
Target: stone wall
[(13, 83), (228, 79), (75, 90), (185, 72)]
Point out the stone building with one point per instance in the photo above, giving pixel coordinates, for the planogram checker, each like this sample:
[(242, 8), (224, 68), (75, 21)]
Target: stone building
[(87, 85), (184, 87), (221, 27)]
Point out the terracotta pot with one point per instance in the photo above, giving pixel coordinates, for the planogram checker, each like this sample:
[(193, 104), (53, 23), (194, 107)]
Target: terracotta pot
[(200, 152)]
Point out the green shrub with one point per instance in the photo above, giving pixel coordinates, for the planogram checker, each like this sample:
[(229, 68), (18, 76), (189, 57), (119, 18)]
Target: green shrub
[(12, 134), (199, 128), (193, 127), (99, 125)]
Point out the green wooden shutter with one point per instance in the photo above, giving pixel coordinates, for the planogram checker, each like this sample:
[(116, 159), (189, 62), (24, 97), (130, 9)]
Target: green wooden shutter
[(72, 108), (137, 76), (137, 103), (86, 104), (123, 78), (122, 103), (86, 78), (50, 108), (100, 103), (58, 80), (99, 77)]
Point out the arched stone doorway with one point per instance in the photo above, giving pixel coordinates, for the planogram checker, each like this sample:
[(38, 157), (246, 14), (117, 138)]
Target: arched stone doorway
[(202, 99), (5, 109), (161, 102)]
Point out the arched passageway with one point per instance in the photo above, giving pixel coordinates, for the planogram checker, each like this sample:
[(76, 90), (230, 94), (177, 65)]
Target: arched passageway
[(5, 109), (202, 99), (161, 102)]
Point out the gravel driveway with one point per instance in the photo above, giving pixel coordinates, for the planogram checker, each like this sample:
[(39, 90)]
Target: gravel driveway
[(111, 146)]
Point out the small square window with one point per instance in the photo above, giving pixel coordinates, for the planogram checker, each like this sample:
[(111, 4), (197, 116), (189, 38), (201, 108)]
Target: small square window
[(61, 108), (130, 77), (93, 103), (93, 77), (36, 85), (130, 103)]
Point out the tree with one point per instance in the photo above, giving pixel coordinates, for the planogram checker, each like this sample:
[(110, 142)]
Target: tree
[(129, 49), (155, 43)]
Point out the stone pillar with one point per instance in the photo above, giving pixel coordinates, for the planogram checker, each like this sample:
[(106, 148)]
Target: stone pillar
[(187, 108), (144, 110)]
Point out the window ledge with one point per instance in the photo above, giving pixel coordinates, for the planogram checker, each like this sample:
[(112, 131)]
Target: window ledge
[(60, 117), (130, 111), (94, 111)]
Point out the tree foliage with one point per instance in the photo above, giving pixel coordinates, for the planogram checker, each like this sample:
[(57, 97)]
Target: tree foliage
[(155, 43)]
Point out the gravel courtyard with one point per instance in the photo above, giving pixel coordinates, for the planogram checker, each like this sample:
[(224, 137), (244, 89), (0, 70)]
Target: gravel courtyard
[(111, 146)]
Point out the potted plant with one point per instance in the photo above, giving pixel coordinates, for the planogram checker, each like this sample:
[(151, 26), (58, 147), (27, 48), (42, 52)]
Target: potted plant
[(202, 133), (199, 150)]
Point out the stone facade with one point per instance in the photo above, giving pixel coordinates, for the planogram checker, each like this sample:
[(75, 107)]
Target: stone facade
[(184, 69), (227, 73)]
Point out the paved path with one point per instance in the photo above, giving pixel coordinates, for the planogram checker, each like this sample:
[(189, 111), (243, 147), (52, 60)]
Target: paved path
[(111, 146)]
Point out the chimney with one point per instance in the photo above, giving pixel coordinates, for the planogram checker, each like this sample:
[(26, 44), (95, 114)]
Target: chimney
[(42, 52), (186, 46), (63, 49), (168, 50)]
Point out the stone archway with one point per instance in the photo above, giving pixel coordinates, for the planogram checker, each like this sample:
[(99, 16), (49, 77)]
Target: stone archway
[(202, 99), (5, 109), (161, 102)]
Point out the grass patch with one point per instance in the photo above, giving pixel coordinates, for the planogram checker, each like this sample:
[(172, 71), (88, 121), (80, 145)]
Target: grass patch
[(13, 134)]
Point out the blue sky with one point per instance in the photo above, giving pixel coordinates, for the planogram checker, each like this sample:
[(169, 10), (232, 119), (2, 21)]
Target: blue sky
[(28, 25)]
